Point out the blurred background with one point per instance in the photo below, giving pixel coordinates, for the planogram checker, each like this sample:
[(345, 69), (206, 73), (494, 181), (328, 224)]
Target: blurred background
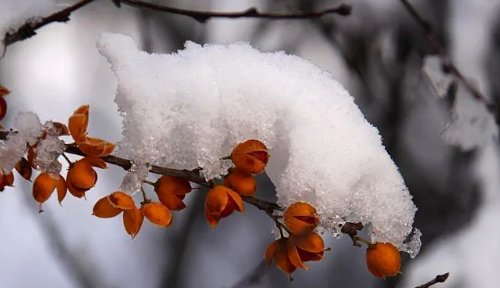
[(442, 139)]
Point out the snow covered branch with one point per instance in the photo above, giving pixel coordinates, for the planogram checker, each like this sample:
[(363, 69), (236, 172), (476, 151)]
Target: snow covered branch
[(29, 28), (448, 65), (203, 16)]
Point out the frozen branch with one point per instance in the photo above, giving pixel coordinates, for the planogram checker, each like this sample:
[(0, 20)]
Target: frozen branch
[(439, 279), (449, 66), (203, 16), (191, 175), (29, 29)]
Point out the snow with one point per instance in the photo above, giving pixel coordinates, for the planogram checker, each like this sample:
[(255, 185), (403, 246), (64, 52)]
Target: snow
[(189, 109), (28, 128), (14, 13)]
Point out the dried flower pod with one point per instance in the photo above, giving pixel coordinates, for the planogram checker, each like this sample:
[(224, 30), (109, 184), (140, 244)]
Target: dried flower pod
[(44, 185), (157, 214), (241, 181), (300, 218), (6, 180), (250, 156), (277, 251), (121, 200), (23, 167), (310, 246), (383, 259), (62, 130), (172, 185), (81, 175), (3, 108), (95, 147), (221, 202), (171, 191), (104, 209), (78, 123), (132, 220)]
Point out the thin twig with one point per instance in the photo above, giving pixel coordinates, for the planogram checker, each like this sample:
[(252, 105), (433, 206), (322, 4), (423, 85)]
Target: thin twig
[(439, 279), (29, 28), (449, 66), (203, 16)]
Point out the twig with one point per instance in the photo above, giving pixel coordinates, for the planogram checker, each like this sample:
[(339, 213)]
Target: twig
[(449, 66), (203, 16), (29, 28), (439, 279)]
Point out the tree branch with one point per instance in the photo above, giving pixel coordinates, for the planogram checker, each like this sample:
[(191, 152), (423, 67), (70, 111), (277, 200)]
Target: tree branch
[(439, 279), (29, 28), (191, 175), (203, 16), (449, 66)]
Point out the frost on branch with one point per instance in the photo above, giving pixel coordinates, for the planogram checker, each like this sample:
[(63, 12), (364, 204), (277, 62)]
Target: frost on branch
[(189, 109), (12, 150), (15, 13)]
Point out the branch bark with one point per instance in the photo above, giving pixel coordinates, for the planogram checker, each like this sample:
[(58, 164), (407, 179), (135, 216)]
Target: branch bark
[(439, 279), (449, 66), (29, 28), (204, 16)]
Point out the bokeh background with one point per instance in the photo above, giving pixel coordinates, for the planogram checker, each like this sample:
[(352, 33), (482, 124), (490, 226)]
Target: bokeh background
[(378, 53)]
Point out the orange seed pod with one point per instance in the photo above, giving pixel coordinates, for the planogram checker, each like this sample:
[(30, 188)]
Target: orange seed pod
[(132, 220), (221, 202), (104, 209), (250, 156), (96, 147), (157, 214), (383, 260), (121, 200), (23, 167), (241, 181), (300, 218)]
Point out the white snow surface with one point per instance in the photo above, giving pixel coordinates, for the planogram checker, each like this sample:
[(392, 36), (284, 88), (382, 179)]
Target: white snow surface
[(188, 109), (14, 13)]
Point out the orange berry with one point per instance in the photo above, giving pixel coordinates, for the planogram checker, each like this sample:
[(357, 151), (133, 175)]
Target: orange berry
[(95, 147), (157, 214), (132, 220), (171, 191), (300, 218), (383, 259), (250, 156), (78, 123), (104, 209), (6, 180), (278, 252), (23, 167), (121, 200), (3, 108), (221, 202), (45, 184), (241, 181), (82, 175)]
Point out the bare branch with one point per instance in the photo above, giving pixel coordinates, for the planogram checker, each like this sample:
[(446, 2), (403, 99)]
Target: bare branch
[(449, 66), (203, 16), (29, 28), (439, 279)]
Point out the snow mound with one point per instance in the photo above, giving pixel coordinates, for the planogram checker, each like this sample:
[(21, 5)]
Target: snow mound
[(188, 109)]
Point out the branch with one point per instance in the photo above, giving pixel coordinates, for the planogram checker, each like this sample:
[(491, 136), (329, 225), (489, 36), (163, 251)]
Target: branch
[(191, 175), (203, 16), (449, 66), (439, 279), (28, 29)]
